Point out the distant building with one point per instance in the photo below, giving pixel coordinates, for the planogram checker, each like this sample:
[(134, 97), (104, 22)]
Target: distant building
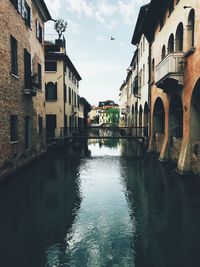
[(61, 89)]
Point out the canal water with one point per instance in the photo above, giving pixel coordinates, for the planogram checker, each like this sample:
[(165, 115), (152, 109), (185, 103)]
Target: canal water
[(99, 204)]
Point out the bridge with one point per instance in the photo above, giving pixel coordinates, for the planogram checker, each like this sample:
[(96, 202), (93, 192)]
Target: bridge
[(100, 132)]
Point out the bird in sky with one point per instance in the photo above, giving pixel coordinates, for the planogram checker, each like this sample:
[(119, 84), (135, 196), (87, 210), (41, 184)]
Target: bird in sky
[(112, 38)]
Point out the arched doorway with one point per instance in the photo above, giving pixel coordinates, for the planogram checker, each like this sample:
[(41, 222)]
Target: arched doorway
[(179, 38), (158, 124), (175, 126), (133, 114), (136, 114), (145, 119), (195, 128), (140, 120)]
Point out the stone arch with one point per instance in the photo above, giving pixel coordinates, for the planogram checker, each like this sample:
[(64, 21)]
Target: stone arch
[(163, 52), (170, 46), (191, 28), (195, 128), (179, 38)]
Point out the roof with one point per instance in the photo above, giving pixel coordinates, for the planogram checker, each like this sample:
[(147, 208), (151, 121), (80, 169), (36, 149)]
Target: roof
[(138, 28), (44, 12), (155, 11), (73, 69)]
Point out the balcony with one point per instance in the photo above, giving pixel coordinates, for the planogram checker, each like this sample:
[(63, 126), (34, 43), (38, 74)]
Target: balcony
[(169, 72)]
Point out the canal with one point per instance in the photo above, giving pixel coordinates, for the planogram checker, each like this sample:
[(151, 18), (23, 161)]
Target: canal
[(100, 204)]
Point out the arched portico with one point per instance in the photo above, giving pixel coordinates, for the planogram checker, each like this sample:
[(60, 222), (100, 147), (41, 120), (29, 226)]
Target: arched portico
[(195, 129), (175, 126)]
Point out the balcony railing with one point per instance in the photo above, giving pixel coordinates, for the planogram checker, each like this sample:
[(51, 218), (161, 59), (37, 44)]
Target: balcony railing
[(170, 69)]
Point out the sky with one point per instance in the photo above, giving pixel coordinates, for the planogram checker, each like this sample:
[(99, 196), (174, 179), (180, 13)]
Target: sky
[(101, 63)]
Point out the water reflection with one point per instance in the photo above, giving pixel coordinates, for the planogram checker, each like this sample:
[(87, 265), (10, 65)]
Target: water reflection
[(102, 204)]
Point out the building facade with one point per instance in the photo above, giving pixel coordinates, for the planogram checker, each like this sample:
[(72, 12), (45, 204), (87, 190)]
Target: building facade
[(61, 90), (171, 28), (22, 116)]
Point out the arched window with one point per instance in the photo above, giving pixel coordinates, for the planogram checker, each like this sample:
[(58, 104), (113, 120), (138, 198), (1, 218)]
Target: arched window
[(51, 91), (191, 28), (163, 52), (171, 44), (179, 38)]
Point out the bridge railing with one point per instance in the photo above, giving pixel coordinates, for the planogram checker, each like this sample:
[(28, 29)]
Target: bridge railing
[(98, 132)]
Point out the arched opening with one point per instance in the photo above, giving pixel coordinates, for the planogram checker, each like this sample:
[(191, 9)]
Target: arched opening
[(163, 52), (195, 128), (179, 37), (175, 126), (170, 46), (140, 116), (133, 113), (158, 124), (145, 119), (136, 114), (191, 28)]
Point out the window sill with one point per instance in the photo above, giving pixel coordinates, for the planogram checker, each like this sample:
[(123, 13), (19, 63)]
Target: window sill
[(190, 52), (51, 100), (50, 71), (15, 76), (14, 142)]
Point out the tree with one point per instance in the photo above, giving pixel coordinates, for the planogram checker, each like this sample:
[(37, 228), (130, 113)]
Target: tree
[(60, 26), (113, 115)]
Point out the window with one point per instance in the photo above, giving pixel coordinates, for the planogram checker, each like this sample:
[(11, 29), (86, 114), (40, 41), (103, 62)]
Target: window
[(51, 91), (27, 70), (13, 128), (171, 44), (39, 32), (65, 93), (14, 62), (15, 3), (70, 96), (39, 76), (27, 14), (50, 66), (163, 52), (27, 136), (191, 28)]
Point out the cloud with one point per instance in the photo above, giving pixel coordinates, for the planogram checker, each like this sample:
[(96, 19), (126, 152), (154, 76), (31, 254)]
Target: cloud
[(54, 7), (105, 12), (81, 7)]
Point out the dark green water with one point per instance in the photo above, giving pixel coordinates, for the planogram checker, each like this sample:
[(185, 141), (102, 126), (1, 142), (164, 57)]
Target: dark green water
[(99, 206)]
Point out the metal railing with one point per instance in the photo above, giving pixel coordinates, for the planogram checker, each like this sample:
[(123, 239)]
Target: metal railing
[(99, 132)]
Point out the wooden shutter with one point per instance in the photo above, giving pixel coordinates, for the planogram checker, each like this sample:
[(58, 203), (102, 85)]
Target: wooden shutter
[(19, 6), (23, 9)]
